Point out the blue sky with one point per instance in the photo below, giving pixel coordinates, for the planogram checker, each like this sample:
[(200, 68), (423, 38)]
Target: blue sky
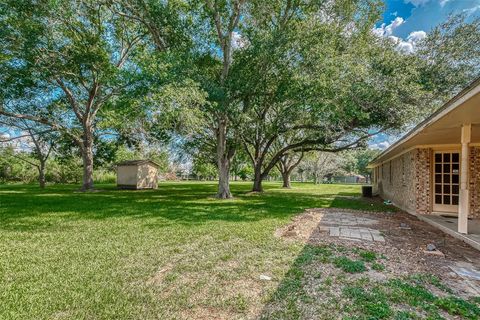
[(407, 21)]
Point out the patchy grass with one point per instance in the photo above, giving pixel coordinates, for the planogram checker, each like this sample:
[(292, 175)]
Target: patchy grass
[(170, 253), (348, 296)]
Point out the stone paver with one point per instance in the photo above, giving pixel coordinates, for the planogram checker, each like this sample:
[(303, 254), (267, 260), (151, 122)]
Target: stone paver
[(345, 219), (344, 225)]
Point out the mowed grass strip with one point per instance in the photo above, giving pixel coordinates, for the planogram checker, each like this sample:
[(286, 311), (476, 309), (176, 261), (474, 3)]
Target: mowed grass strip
[(167, 253)]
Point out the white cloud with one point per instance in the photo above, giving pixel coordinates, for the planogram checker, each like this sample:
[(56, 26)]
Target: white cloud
[(408, 45), (380, 145), (387, 30), (444, 2), (416, 36), (472, 10), (417, 3)]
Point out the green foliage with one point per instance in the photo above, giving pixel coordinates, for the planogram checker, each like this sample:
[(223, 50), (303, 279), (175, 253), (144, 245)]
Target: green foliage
[(373, 303), (456, 306), (204, 170), (368, 256), (358, 160), (348, 265), (12, 169), (450, 55), (378, 266)]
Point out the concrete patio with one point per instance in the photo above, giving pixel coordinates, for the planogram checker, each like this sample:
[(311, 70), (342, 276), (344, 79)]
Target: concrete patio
[(450, 225)]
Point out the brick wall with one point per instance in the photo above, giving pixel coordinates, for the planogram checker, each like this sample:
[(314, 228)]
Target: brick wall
[(396, 181), (423, 183), (406, 181), (474, 181)]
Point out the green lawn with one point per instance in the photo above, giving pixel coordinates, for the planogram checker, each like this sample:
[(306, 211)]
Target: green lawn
[(65, 254), (171, 253)]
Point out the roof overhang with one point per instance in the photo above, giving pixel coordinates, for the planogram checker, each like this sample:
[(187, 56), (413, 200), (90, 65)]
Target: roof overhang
[(443, 127)]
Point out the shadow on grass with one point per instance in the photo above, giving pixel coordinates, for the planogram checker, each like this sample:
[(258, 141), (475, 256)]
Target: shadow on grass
[(26, 208)]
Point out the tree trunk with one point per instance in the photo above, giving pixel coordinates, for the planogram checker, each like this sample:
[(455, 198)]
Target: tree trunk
[(257, 183), (41, 174), (286, 180), (87, 157), (223, 179), (223, 162), (257, 178)]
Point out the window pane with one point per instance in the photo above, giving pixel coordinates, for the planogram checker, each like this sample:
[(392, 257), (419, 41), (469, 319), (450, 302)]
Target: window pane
[(455, 200), (455, 157), (438, 199), (455, 178), (446, 157), (438, 178), (438, 157), (438, 168), (438, 188), (446, 178), (446, 168), (446, 199)]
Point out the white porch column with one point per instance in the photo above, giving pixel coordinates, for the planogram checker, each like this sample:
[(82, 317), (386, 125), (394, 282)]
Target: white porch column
[(464, 199)]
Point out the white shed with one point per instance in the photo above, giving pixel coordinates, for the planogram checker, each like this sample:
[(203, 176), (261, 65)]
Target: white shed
[(137, 174)]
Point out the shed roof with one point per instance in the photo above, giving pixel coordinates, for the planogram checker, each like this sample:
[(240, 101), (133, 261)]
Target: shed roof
[(137, 163), (443, 126)]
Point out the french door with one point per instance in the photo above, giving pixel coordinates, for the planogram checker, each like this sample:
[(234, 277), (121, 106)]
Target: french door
[(446, 178)]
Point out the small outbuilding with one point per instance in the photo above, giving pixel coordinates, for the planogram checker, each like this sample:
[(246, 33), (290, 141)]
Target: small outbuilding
[(137, 174)]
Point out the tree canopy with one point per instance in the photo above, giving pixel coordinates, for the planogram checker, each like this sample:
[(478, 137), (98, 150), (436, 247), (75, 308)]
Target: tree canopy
[(243, 86)]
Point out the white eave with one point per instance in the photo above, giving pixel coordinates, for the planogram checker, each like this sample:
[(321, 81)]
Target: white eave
[(443, 126)]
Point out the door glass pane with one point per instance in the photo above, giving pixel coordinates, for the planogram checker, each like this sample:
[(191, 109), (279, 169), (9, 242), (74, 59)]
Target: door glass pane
[(455, 200), (446, 189), (447, 176), (455, 189), (446, 199)]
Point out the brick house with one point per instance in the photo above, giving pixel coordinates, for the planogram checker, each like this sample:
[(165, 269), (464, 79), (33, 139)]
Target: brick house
[(434, 170)]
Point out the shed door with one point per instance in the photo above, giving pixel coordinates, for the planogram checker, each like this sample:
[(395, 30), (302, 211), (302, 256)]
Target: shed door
[(446, 178)]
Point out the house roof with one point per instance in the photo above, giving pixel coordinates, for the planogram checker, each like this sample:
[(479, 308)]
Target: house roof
[(443, 126), (137, 163)]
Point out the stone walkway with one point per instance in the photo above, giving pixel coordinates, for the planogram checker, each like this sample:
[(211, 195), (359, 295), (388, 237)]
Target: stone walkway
[(345, 219), (344, 226)]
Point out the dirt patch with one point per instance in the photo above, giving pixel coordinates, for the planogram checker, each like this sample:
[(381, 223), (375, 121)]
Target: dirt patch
[(403, 252)]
